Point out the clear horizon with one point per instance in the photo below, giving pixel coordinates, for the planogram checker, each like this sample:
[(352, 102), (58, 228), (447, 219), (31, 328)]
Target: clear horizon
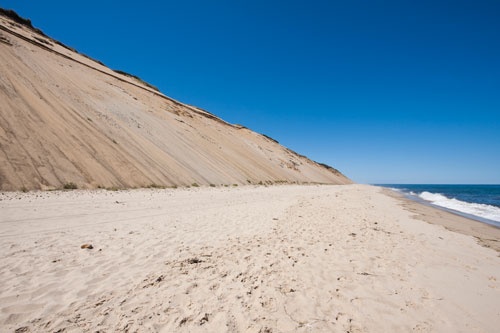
[(400, 93)]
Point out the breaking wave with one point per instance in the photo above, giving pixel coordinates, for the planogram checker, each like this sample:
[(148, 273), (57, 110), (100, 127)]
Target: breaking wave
[(481, 210)]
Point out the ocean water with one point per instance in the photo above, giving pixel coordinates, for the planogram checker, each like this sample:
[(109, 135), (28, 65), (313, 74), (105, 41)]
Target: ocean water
[(481, 202)]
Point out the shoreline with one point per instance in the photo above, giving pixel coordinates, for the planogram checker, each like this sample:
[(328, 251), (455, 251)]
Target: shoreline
[(487, 235), (417, 198)]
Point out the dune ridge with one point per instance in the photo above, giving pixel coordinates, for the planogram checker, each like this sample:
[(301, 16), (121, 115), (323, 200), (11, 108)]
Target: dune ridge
[(66, 118)]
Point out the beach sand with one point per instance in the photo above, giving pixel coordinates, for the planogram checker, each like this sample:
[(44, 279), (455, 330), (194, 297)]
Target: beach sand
[(351, 258), (487, 235)]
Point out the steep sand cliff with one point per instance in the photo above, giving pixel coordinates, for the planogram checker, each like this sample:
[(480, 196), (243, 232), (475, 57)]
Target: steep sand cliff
[(67, 118)]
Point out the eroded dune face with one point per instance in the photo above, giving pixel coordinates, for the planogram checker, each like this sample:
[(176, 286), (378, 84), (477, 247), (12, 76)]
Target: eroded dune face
[(67, 118)]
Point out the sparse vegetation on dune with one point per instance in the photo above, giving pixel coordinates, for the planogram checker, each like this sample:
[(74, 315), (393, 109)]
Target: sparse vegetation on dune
[(73, 186), (70, 186), (137, 78), (112, 188), (268, 137), (155, 186), (27, 23), (21, 20), (332, 169)]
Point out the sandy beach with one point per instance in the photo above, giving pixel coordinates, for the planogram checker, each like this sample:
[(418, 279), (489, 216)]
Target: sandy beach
[(350, 258)]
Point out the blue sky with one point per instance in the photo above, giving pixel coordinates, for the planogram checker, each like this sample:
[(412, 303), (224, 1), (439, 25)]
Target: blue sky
[(385, 91)]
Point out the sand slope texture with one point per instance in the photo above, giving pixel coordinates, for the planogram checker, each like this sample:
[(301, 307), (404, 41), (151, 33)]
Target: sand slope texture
[(65, 118)]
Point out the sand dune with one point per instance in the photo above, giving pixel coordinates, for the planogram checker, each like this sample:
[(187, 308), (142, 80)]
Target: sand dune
[(256, 259), (65, 118)]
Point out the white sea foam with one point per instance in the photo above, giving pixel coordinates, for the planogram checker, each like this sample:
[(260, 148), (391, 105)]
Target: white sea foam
[(481, 210)]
